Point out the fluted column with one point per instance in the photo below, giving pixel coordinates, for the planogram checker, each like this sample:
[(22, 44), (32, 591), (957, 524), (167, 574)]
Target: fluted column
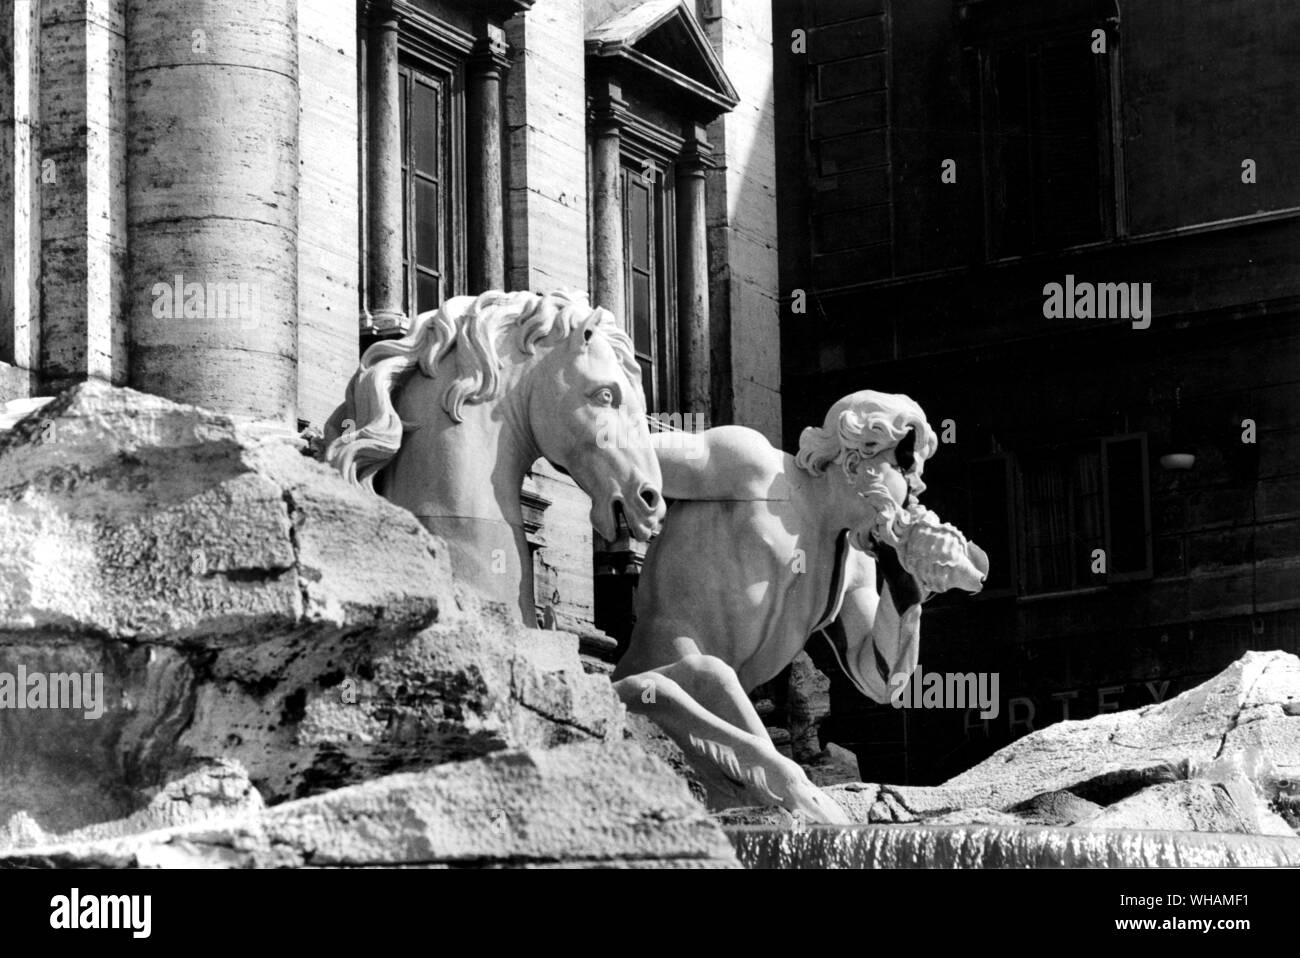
[(20, 204), (693, 278), (607, 208), (212, 202), (384, 169), (487, 247)]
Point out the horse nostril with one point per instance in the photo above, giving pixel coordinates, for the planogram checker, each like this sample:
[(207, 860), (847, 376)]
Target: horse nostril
[(650, 496)]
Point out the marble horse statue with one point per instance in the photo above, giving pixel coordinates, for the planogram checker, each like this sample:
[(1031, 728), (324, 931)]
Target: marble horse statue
[(447, 420), (762, 550)]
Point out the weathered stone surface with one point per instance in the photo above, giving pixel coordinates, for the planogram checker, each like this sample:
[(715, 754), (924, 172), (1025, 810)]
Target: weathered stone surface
[(809, 702), (129, 516), (772, 816), (242, 601), (656, 742), (1222, 757), (856, 798), (1022, 846), (1193, 806), (215, 791), (583, 804), (833, 765), (1055, 808), (1240, 712)]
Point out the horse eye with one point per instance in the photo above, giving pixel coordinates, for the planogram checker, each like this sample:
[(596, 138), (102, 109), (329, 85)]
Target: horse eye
[(604, 396)]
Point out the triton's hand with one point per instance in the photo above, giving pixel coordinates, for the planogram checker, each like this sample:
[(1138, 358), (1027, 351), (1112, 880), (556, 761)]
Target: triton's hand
[(904, 587)]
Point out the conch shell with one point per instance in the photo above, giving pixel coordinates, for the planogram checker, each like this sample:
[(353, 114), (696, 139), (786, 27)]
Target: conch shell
[(936, 553), (940, 556)]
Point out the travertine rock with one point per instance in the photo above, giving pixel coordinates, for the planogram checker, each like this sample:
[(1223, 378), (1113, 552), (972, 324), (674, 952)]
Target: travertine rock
[(127, 516), (809, 702), (833, 765), (1222, 757), (242, 601), (213, 791), (579, 805)]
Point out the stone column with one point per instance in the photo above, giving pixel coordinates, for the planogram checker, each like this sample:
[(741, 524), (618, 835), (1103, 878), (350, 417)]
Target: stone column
[(384, 162), (693, 278), (486, 222), (212, 128), (20, 211), (83, 197), (607, 208)]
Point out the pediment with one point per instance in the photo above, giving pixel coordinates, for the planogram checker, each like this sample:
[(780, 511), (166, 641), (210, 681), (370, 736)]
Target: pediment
[(664, 38)]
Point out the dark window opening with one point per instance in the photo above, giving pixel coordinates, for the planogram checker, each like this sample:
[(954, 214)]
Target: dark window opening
[(1048, 124), (648, 277), (1085, 515), (426, 240)]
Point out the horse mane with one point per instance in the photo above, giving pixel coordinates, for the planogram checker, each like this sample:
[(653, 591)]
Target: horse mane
[(475, 331)]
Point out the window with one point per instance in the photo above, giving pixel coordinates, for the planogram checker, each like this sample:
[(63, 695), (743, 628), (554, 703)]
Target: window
[(427, 241), (1042, 514), (413, 167), (1050, 146), (647, 271), (1061, 494), (1079, 499)]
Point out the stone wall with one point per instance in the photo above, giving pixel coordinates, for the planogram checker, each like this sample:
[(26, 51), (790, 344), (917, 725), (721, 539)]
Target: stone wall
[(742, 227), (329, 263), (546, 187), (546, 249)]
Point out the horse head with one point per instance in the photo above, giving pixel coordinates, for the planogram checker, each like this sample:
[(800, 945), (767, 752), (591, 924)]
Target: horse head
[(559, 374), (588, 417)]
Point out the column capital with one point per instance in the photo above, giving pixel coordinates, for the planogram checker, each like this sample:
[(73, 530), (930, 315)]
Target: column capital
[(696, 156), (491, 53), (607, 111), (380, 13)]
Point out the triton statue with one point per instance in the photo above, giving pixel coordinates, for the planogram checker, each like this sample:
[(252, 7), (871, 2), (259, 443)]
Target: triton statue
[(761, 551)]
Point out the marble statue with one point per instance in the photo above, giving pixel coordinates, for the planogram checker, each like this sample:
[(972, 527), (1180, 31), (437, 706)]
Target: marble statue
[(451, 416), (762, 550)]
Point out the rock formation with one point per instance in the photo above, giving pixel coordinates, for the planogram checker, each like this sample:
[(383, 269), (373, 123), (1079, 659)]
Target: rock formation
[(568, 806), (1221, 758)]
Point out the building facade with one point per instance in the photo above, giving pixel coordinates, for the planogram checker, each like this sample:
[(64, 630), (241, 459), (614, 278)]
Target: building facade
[(223, 201), (1071, 231)]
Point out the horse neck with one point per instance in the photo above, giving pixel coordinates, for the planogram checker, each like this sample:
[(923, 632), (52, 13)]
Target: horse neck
[(471, 469)]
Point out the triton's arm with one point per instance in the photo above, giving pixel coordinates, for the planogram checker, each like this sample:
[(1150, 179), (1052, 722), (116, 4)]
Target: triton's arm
[(880, 631), (723, 463)]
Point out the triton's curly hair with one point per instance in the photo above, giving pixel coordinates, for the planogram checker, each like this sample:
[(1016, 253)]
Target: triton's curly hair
[(860, 427)]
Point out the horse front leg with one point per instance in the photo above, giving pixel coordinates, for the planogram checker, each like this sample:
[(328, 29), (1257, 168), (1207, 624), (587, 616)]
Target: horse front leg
[(735, 762)]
